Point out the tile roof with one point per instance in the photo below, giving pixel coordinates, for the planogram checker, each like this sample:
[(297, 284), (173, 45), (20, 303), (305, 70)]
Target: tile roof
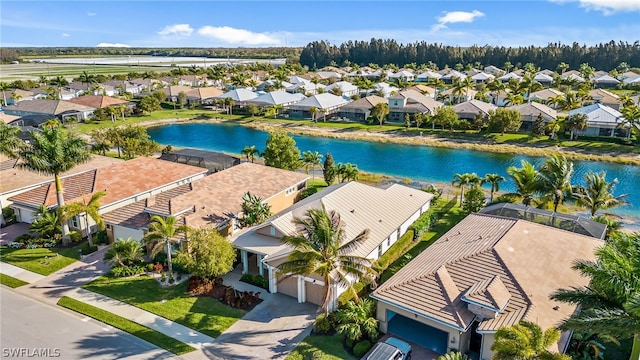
[(545, 94), (240, 94), (13, 178), (367, 102), (50, 107), (381, 210), (598, 113), (321, 101), (97, 101), (278, 97), (204, 92), (474, 106), (533, 109), (120, 181), (494, 261)]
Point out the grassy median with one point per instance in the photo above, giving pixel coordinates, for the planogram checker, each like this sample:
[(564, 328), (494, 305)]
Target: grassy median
[(159, 339), (11, 281)]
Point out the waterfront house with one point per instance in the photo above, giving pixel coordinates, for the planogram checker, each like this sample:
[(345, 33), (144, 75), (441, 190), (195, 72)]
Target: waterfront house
[(360, 110), (410, 102), (602, 121), (468, 110), (386, 212), (531, 111), (606, 98), (484, 273), (326, 104), (59, 109)]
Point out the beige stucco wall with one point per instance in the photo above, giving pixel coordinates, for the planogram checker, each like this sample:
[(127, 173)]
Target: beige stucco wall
[(487, 343), (283, 200)]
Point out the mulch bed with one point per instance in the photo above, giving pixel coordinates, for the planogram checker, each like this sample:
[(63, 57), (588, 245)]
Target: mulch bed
[(245, 300)]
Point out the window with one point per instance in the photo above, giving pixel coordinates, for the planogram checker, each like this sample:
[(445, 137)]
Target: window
[(272, 231), (380, 250), (74, 222), (388, 241)]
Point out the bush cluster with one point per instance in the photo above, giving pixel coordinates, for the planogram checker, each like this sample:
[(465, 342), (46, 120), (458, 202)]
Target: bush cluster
[(124, 271), (362, 348), (256, 280)]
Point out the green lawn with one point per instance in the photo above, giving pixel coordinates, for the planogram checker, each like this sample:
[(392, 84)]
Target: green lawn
[(320, 347), (157, 338), (204, 314), (11, 281), (43, 261)]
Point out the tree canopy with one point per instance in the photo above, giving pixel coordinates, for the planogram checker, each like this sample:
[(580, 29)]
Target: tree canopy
[(281, 151)]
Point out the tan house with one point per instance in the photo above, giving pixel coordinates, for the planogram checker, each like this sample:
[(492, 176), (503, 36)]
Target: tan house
[(123, 182), (531, 111), (99, 101), (484, 273), (386, 212), (410, 102), (212, 201), (360, 110)]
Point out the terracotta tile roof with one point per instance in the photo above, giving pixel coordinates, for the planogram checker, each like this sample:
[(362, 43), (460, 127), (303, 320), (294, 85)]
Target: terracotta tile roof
[(486, 257), (219, 195), (12, 178), (97, 101), (49, 107), (120, 181), (204, 92)]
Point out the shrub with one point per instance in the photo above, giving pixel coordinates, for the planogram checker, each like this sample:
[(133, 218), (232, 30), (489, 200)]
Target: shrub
[(256, 280), (9, 215), (322, 324), (505, 198), (150, 267), (24, 238), (171, 279), (362, 348), (102, 238), (163, 277), (160, 258), (123, 271), (158, 267), (15, 245), (75, 236)]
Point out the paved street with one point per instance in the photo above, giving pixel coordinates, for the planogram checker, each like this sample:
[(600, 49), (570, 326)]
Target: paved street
[(30, 324)]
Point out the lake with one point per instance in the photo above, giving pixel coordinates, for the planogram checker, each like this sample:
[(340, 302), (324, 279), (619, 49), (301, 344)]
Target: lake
[(407, 161)]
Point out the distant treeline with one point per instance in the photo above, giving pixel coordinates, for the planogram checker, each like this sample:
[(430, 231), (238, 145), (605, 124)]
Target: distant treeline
[(10, 54), (607, 56)]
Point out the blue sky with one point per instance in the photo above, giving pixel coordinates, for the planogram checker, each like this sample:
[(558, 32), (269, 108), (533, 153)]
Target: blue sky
[(147, 23)]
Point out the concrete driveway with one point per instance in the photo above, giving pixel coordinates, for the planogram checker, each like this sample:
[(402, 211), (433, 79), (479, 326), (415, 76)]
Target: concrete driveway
[(270, 331), (11, 232)]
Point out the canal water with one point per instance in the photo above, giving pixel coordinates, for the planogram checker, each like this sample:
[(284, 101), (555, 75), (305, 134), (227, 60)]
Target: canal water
[(421, 163)]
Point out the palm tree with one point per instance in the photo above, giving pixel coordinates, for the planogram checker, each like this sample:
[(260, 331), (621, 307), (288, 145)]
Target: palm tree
[(10, 143), (563, 67), (526, 341), (52, 152), (577, 122), (311, 159), (313, 111), (556, 174), (453, 355), (89, 208), (162, 235), (254, 210), (598, 193), (461, 180), (610, 304), (250, 152), (527, 181), (59, 81), (631, 116), (4, 87), (357, 320), (124, 252), (320, 248), (494, 180)]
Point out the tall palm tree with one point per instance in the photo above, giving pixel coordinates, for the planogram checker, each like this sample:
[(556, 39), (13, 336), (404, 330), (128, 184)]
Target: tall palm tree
[(89, 208), (4, 87), (527, 180), (631, 117), (610, 304), (598, 193), (498, 86), (250, 152), (162, 235), (526, 341), (556, 174), (311, 159), (577, 122), (59, 81), (313, 111), (571, 101), (10, 143), (461, 180), (563, 67), (494, 180), (52, 152), (320, 247)]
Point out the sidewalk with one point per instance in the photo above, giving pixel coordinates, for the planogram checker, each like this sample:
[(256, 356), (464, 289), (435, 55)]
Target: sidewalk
[(142, 317), (19, 273)]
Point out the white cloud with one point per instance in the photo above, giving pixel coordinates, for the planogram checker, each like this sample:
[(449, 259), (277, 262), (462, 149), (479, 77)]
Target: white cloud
[(91, 14), (65, 35), (113, 45), (607, 7), (177, 29), (450, 17), (237, 36)]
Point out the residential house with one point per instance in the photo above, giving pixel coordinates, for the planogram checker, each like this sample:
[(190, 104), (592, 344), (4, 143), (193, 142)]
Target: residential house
[(482, 78), (214, 201), (344, 88), (15, 96), (305, 87), (544, 79), (124, 183), (452, 76), (546, 95), (493, 70), (360, 110), (427, 76), (60, 109), (410, 102), (277, 98), (122, 86), (469, 110), (382, 89), (631, 81), (531, 111), (403, 75), (15, 179), (272, 84), (240, 95), (450, 96), (573, 77), (386, 212), (8, 119), (203, 95), (602, 121), (508, 76), (326, 104), (328, 75), (485, 273), (101, 101), (605, 81), (173, 91), (425, 90), (605, 97)]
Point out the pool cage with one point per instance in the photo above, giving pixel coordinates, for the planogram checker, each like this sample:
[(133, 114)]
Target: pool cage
[(574, 223)]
